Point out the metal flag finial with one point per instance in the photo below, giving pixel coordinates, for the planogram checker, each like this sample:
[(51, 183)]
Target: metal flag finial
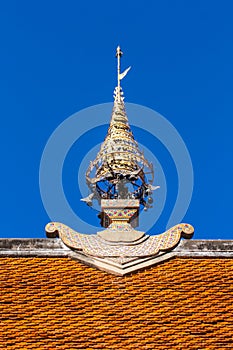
[(120, 75)]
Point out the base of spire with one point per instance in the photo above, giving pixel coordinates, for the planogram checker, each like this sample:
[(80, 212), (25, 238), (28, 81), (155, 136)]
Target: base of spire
[(120, 216)]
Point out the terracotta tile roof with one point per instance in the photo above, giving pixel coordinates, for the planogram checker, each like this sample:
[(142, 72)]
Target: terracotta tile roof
[(59, 303)]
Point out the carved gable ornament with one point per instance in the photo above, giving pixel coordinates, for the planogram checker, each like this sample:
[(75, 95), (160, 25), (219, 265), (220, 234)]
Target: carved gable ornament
[(119, 257)]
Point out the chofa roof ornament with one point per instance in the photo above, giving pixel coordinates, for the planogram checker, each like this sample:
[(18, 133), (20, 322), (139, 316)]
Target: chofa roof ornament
[(120, 178)]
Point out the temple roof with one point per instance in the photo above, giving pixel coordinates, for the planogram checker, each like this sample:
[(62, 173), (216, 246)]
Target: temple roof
[(49, 300)]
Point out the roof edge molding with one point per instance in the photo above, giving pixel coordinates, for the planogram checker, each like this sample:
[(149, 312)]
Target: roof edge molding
[(54, 247)]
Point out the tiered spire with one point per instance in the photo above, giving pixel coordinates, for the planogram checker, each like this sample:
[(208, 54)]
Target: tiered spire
[(119, 163)]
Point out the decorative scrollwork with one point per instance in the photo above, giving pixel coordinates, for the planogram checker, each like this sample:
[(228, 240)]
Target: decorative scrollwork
[(94, 245)]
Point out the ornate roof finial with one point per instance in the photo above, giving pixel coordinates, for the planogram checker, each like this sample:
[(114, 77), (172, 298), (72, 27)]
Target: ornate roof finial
[(120, 178), (120, 170)]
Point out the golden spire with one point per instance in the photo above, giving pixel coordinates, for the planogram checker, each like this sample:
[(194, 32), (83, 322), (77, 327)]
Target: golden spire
[(119, 161)]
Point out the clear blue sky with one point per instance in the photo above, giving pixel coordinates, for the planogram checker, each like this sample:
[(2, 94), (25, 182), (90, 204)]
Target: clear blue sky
[(57, 57)]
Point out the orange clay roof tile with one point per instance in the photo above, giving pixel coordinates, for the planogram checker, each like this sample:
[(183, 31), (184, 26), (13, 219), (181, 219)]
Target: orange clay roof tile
[(59, 303)]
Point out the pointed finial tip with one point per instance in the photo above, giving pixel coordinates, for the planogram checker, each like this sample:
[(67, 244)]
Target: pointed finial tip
[(118, 51)]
